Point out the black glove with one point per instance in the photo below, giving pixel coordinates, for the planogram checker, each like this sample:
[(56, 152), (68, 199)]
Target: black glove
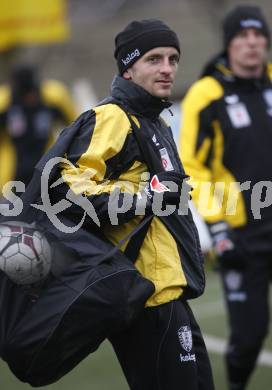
[(161, 185), (229, 251)]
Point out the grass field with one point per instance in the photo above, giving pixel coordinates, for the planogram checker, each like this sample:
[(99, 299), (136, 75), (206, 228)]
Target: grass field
[(101, 371)]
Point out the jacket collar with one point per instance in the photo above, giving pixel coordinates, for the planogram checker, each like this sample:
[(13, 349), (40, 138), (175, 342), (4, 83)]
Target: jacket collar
[(136, 99), (218, 67)]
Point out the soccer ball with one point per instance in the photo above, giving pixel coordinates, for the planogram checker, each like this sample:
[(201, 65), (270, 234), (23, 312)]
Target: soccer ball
[(25, 253)]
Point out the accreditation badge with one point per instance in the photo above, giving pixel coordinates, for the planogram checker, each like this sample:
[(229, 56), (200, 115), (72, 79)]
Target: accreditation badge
[(268, 99), (166, 162), (239, 115)]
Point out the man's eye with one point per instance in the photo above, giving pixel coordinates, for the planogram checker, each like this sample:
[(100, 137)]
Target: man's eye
[(242, 33), (174, 60), (258, 33)]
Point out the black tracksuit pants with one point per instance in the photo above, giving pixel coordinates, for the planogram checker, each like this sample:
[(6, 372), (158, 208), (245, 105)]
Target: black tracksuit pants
[(246, 294), (164, 350)]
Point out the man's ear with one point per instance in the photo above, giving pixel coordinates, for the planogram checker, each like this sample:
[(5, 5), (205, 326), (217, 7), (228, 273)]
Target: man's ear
[(127, 74)]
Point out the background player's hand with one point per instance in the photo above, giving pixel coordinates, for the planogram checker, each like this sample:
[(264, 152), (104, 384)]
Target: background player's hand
[(229, 252)]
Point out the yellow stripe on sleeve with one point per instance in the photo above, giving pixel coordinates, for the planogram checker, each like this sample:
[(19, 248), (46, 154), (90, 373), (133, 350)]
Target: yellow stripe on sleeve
[(109, 135)]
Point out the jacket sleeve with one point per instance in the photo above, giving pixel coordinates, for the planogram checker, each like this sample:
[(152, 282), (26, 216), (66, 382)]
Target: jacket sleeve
[(94, 158), (199, 143)]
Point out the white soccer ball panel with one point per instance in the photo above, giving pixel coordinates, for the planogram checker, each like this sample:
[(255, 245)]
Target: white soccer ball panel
[(4, 230), (37, 240), (26, 256), (18, 267), (22, 248)]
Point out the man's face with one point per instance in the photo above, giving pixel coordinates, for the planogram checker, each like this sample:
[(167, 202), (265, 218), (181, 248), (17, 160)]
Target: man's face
[(30, 99), (248, 49), (155, 71)]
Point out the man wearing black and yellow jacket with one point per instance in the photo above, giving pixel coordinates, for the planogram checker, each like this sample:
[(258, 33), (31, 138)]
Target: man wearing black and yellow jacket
[(226, 144), (30, 113), (163, 348)]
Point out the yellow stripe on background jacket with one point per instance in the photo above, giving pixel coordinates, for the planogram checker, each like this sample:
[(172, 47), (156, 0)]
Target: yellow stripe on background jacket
[(56, 99), (226, 139)]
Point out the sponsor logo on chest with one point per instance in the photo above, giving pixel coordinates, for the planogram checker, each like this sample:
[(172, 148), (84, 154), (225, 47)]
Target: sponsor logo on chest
[(239, 115)]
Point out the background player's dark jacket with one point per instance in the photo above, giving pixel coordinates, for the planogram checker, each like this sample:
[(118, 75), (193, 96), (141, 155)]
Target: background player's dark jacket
[(26, 133), (226, 137)]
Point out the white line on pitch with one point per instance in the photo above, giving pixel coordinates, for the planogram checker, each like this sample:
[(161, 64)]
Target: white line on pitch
[(218, 345)]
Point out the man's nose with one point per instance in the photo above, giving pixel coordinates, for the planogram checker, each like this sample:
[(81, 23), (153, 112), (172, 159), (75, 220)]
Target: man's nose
[(252, 38), (166, 66)]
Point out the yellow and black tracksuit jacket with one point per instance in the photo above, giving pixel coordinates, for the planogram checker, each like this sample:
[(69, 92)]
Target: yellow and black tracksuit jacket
[(225, 139), (105, 156), (25, 133)]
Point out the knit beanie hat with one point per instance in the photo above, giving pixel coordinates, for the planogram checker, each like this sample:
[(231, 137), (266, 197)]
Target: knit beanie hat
[(24, 78), (241, 17), (138, 37)]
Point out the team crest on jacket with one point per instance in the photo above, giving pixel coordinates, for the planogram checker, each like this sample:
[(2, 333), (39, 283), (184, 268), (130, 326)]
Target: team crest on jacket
[(238, 115), (185, 338)]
